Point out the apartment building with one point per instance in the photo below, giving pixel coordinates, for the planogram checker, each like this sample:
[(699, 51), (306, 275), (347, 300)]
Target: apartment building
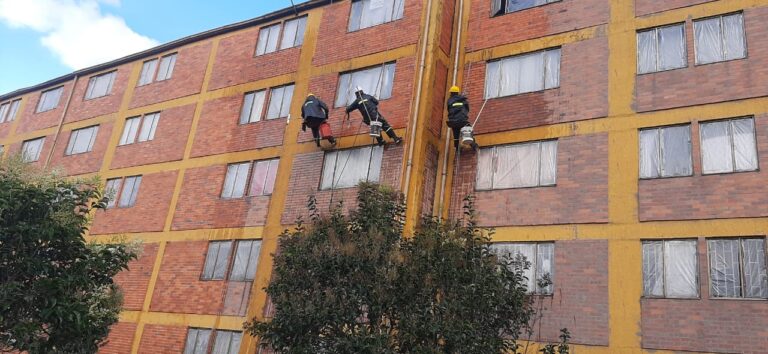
[(621, 150)]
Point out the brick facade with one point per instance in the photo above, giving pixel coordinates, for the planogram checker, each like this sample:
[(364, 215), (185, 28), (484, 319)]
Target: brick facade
[(81, 108), (135, 281), (162, 339), (120, 339), (86, 162), (30, 120), (646, 7)]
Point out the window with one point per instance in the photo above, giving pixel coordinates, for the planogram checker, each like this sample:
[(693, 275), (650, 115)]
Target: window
[(279, 104), (227, 342), (670, 269), (122, 192), (728, 146), (293, 36), (375, 81), (100, 85), (262, 181), (150, 72), (720, 38), (737, 268), (541, 258), (530, 164), (8, 111), (49, 99), (523, 73), (499, 7), (30, 149), (346, 168), (661, 48), (369, 13), (81, 140), (246, 253), (142, 127), (197, 341), (665, 152)]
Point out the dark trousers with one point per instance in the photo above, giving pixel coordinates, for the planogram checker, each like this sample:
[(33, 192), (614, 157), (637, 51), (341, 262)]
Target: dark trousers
[(314, 124), (456, 126), (384, 126)]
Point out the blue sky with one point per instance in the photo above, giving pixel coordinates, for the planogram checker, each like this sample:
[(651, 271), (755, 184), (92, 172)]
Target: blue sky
[(44, 39)]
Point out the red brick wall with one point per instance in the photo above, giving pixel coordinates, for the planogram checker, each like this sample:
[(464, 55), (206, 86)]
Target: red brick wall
[(219, 130), (186, 80), (580, 298), (169, 142), (335, 44), (563, 16), (200, 205), (305, 181), (710, 83), (438, 99), (120, 339), (581, 194), (236, 64), (147, 215), (446, 25), (583, 92), (5, 127), (179, 279), (645, 7), (729, 195), (396, 109), (162, 339), (135, 280), (33, 121), (80, 108), (88, 162), (706, 324), (430, 180)]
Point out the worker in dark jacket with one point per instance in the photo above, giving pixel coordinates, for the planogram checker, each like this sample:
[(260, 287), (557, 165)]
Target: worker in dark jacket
[(458, 115), (368, 107), (314, 113)]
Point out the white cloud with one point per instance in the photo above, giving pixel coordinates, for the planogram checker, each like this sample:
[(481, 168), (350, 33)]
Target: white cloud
[(76, 31)]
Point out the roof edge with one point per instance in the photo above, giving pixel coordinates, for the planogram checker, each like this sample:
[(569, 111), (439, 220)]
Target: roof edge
[(282, 13)]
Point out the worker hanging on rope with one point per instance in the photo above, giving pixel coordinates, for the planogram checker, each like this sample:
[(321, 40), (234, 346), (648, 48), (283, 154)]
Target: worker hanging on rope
[(368, 107), (314, 113), (458, 119)]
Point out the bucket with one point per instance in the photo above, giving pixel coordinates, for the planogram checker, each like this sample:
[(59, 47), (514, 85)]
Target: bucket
[(325, 130), (375, 129), (467, 137)]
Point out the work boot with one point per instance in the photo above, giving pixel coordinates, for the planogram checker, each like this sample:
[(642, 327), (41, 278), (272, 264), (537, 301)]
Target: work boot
[(475, 146), (397, 140), (332, 140), (317, 142), (380, 141)]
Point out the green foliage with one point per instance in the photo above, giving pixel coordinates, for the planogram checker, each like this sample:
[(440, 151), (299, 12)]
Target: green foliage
[(352, 284), (56, 291)]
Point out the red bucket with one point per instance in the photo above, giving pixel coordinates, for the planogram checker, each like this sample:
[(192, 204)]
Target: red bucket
[(325, 130)]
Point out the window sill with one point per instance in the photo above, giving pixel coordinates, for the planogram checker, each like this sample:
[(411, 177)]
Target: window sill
[(670, 298), (276, 51), (374, 26), (729, 173), (664, 177), (515, 188), (737, 299), (721, 61), (661, 71)]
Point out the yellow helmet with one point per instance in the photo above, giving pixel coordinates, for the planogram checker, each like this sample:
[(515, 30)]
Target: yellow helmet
[(310, 94), (455, 89)]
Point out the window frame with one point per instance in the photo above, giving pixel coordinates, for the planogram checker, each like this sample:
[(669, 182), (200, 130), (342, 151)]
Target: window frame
[(539, 185), (249, 178), (722, 38), (212, 346), (268, 95), (368, 174), (136, 139), (537, 291), (731, 141), (658, 52), (92, 83), (395, 11), (13, 109), (661, 151), (280, 33), (740, 240), (43, 96), (198, 330), (39, 150), (68, 151), (697, 268), (118, 199), (544, 72), (230, 260), (382, 67), (505, 4), (156, 70)]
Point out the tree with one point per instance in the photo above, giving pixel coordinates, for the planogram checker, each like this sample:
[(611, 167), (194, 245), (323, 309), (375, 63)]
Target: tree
[(352, 284), (56, 291)]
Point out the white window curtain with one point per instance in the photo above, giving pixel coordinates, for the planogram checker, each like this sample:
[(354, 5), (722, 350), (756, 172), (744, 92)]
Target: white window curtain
[(216, 260), (661, 48), (8, 111), (263, 179), (346, 168), (665, 152), (253, 106), (293, 33), (167, 63), (30, 149), (728, 146), (111, 191), (376, 81), (99, 86), (130, 192), (197, 341), (280, 102), (670, 269), (517, 166), (719, 39), (49, 100), (540, 259), (268, 37), (148, 72), (82, 140), (235, 180), (227, 342), (246, 260), (130, 130), (4, 108), (523, 73), (148, 127), (369, 13)]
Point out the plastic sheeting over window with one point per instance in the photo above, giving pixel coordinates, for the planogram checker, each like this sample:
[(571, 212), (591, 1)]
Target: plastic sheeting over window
[(733, 261), (670, 269), (99, 86), (665, 152), (167, 63), (346, 168), (293, 33), (216, 260), (375, 81), (661, 48), (49, 100), (268, 37), (253, 107), (82, 140), (369, 13), (30, 149), (130, 192), (246, 260), (8, 111), (227, 342), (280, 101), (523, 73), (540, 257), (517, 166), (720, 38), (729, 146), (197, 341)]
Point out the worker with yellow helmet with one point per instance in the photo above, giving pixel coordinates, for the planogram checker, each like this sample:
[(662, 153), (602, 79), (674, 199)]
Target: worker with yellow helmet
[(458, 115)]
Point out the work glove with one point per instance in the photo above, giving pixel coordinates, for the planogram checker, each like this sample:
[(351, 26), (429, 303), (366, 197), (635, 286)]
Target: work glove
[(304, 127)]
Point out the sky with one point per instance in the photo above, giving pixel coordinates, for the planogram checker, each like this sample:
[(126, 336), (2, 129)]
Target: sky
[(44, 39)]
